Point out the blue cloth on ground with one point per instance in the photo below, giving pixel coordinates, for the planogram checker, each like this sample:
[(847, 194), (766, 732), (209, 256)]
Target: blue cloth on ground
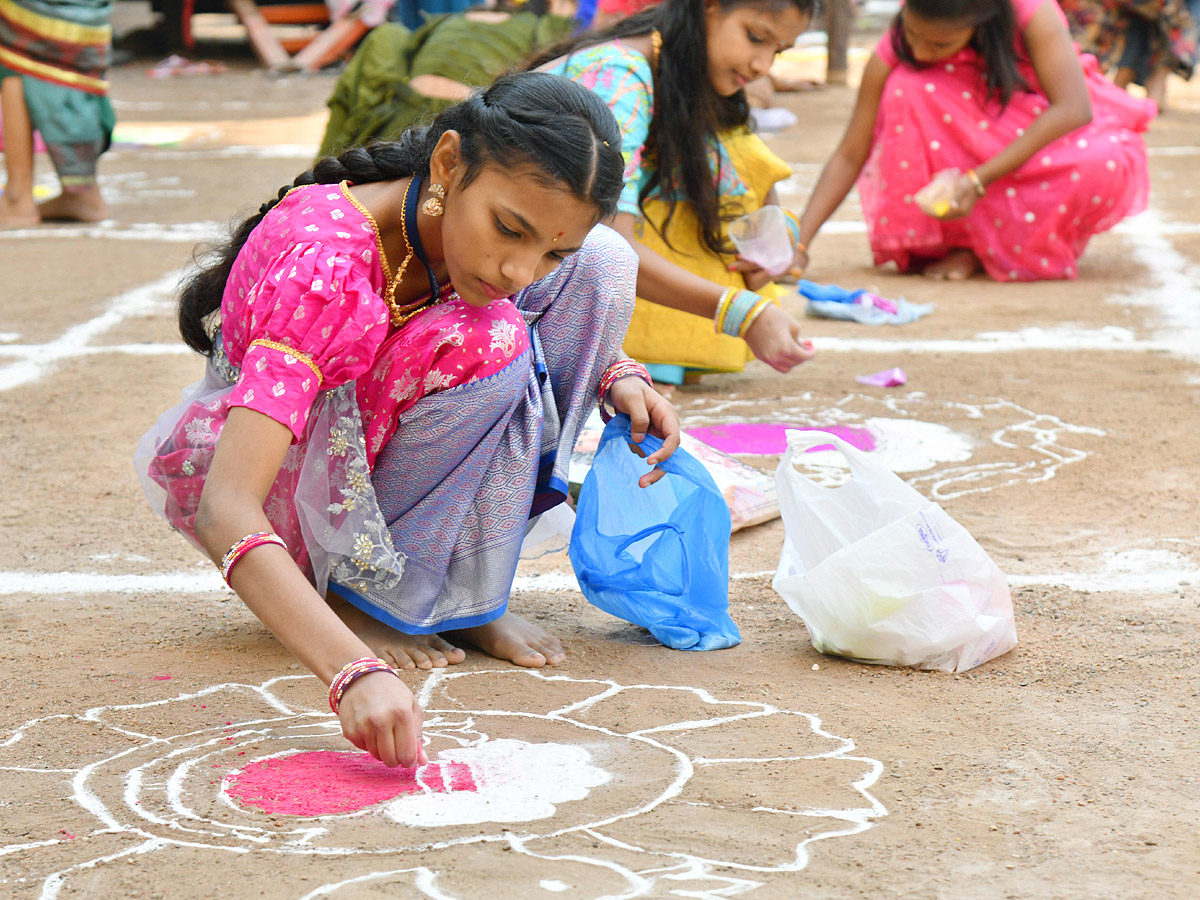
[(828, 301), (658, 556)]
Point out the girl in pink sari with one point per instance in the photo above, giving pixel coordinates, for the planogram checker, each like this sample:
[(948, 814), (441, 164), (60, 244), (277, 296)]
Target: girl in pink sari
[(1047, 151), (401, 349)]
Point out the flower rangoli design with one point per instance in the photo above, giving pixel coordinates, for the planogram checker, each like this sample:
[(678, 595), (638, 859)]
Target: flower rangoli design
[(580, 788)]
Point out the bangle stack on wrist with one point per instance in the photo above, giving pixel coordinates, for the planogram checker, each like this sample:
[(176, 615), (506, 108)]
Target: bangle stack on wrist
[(622, 368), (352, 671), (793, 226), (980, 187), (737, 310), (243, 546)]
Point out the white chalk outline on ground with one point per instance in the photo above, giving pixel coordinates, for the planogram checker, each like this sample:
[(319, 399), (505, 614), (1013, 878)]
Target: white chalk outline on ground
[(38, 359), (1136, 569), (111, 229), (1175, 300), (183, 827), (210, 582)]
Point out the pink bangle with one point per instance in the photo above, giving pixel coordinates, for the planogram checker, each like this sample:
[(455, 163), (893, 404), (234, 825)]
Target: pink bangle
[(622, 368), (243, 546), (350, 673)]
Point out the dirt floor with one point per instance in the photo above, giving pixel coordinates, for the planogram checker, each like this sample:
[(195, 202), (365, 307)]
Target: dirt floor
[(137, 687)]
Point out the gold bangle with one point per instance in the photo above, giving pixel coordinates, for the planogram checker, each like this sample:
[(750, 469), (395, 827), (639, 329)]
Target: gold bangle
[(722, 309), (980, 187)]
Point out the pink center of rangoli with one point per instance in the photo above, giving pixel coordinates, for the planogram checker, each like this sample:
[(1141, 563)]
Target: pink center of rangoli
[(327, 782), (768, 439)]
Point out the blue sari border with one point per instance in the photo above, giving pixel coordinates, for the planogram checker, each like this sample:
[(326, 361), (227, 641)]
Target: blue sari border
[(361, 603)]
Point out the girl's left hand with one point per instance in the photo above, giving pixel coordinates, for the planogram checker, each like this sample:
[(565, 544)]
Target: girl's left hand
[(964, 199), (648, 411)]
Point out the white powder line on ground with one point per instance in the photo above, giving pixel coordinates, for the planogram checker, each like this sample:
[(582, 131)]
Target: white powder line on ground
[(26, 350), (193, 105), (179, 233), (307, 152), (1108, 338), (195, 232), (1176, 299), (1134, 570), (140, 301), (1175, 151)]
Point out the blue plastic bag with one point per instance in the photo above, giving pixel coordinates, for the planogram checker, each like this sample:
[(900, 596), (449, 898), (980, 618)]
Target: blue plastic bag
[(828, 301), (658, 556)]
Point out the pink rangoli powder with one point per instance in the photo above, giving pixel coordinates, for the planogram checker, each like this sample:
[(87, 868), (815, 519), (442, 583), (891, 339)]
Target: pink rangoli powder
[(327, 782), (768, 438)]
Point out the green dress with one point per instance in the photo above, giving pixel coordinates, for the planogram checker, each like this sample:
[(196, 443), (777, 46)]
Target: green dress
[(373, 100)]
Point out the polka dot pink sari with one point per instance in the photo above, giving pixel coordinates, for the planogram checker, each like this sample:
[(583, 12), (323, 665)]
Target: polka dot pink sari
[(1033, 224)]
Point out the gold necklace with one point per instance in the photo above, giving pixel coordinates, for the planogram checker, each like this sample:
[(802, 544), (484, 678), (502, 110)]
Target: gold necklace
[(401, 314), (655, 49)]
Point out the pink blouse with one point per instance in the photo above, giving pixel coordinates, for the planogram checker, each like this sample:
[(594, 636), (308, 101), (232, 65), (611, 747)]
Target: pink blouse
[(303, 307), (303, 311)]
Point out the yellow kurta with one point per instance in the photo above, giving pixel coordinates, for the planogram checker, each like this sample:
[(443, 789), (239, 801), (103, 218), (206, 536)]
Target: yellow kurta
[(659, 334)]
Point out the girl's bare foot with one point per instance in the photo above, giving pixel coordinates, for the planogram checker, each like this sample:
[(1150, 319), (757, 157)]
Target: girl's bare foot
[(959, 265), (404, 651), (512, 638), (18, 213), (75, 206)]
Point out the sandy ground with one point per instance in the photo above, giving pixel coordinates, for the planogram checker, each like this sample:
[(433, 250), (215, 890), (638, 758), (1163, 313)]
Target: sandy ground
[(1066, 769)]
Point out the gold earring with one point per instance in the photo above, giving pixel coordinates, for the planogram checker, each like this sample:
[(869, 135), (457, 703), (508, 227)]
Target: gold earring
[(433, 206)]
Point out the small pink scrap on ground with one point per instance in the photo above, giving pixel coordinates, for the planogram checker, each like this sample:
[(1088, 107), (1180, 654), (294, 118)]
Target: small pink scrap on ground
[(886, 378), (770, 438), (328, 782), (162, 677)]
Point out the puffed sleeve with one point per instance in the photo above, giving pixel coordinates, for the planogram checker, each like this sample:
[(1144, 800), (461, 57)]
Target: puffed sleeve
[(312, 321)]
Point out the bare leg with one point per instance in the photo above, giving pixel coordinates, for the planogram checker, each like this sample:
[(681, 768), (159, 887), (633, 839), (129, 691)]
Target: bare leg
[(959, 265), (75, 206), (404, 651), (1156, 87), (1124, 77), (17, 209), (512, 638)]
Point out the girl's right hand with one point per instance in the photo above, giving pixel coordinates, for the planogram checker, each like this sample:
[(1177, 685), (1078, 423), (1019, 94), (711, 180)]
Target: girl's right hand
[(775, 339), (799, 263), (380, 715)]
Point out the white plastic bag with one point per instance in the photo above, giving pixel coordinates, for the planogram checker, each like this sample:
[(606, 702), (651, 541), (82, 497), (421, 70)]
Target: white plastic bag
[(879, 574), (763, 238)]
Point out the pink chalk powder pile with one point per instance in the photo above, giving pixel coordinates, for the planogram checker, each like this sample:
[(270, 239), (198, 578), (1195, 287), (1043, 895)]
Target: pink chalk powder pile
[(327, 782), (769, 439)]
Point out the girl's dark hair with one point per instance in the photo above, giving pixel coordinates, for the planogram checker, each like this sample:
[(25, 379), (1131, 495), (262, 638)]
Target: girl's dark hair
[(995, 26), (560, 129), (688, 112)]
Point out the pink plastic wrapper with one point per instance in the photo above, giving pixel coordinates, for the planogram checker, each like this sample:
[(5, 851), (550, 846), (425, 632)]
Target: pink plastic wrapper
[(886, 378)]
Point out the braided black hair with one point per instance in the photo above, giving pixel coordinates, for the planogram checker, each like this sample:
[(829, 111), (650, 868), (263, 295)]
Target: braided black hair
[(995, 25), (562, 130)]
